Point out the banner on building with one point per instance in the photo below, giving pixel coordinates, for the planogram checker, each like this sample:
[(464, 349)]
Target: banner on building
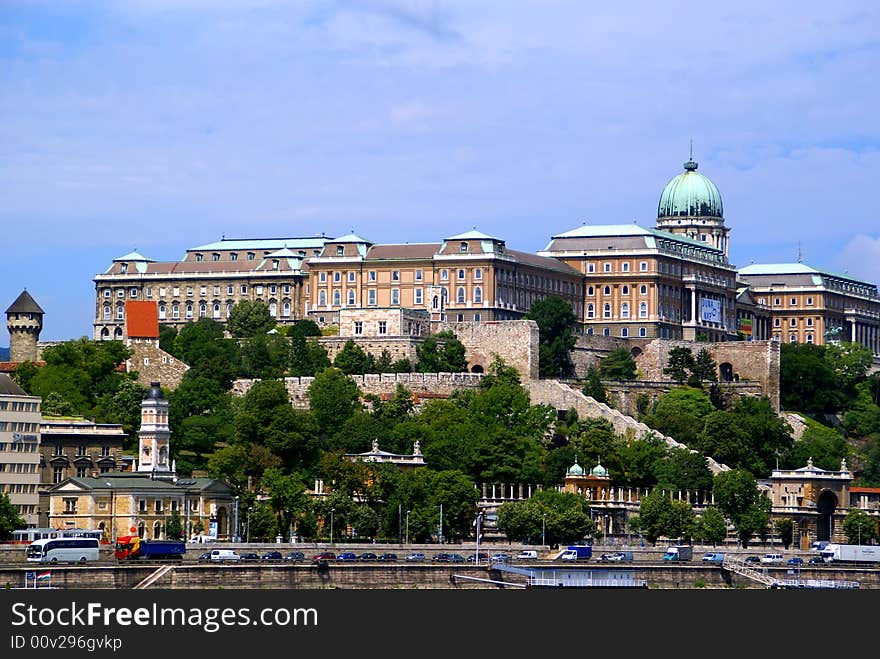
[(744, 325), (710, 310)]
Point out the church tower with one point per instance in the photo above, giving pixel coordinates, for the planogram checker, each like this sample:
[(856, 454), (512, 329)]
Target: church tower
[(154, 435), (24, 320)]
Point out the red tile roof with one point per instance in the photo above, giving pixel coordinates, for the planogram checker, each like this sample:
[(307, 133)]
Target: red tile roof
[(9, 367), (142, 319), (865, 490)]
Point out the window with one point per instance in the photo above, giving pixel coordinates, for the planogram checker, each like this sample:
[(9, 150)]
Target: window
[(371, 297), (216, 291), (643, 290), (383, 327), (809, 338), (351, 297), (606, 267), (794, 301), (643, 332), (478, 317), (809, 302), (322, 277), (591, 267), (243, 289), (792, 322), (175, 291), (444, 275), (70, 506), (337, 298), (189, 291), (107, 312), (337, 276), (418, 275), (478, 295), (459, 295), (286, 289), (123, 268), (161, 312), (643, 266), (134, 293), (606, 290), (251, 256), (809, 322), (120, 293), (590, 311), (82, 471), (215, 257), (216, 310), (395, 275), (106, 292), (203, 291), (120, 312), (351, 276), (643, 309), (358, 328), (792, 338), (233, 256), (57, 474), (417, 296), (340, 250), (624, 332), (624, 290), (606, 311), (625, 266), (478, 273), (606, 332), (230, 289), (200, 257), (624, 310), (776, 302), (229, 306), (189, 310), (590, 291), (395, 296), (175, 311), (371, 275), (461, 273), (285, 309), (203, 310), (776, 322), (463, 248)]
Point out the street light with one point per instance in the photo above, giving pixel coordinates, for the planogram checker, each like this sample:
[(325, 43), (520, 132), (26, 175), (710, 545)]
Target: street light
[(440, 535), (543, 528), (407, 527), (479, 523), (248, 538), (235, 536), (112, 514), (332, 510)]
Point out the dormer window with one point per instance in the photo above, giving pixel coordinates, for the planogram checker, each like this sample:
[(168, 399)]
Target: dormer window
[(233, 257), (200, 257), (464, 248), (123, 268), (251, 256), (215, 257), (340, 250), (275, 264)]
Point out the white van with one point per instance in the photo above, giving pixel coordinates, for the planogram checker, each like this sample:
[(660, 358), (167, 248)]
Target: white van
[(224, 555), (527, 555), (771, 558)]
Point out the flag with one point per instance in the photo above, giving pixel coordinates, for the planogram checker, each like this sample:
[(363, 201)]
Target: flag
[(44, 575)]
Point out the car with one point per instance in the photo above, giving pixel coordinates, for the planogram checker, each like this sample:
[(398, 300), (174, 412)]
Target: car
[(713, 557), (771, 559), (271, 556), (816, 560), (249, 557), (347, 556), (367, 556), (751, 560), (483, 556), (415, 557), (527, 555), (324, 556), (456, 558), (795, 560), (295, 557), (440, 558), (617, 557), (205, 557), (387, 557), (499, 557)]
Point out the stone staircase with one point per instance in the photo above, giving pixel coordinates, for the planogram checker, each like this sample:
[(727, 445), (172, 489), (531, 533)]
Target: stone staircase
[(564, 397)]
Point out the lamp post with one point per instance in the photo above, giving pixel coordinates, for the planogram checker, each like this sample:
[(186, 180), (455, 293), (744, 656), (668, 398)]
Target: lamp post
[(407, 527), (543, 529), (112, 514), (235, 536), (479, 524), (248, 537), (440, 535), (332, 510)]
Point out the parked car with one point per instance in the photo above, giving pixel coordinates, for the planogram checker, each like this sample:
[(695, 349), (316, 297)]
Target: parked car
[(324, 556), (456, 558), (795, 560), (272, 556), (751, 560), (527, 555), (617, 557), (347, 556), (415, 557), (387, 557), (499, 557), (440, 558), (772, 558), (205, 557), (249, 557), (816, 560), (295, 557), (483, 556), (367, 556), (713, 557)]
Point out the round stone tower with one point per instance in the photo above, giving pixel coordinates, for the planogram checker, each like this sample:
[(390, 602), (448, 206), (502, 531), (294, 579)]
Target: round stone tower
[(24, 320)]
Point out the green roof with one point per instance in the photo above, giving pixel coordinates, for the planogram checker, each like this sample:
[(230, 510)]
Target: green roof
[(757, 269), (309, 242), (133, 256), (690, 194), (612, 230)]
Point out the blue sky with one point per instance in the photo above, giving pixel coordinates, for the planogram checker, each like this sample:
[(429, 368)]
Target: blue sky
[(164, 124)]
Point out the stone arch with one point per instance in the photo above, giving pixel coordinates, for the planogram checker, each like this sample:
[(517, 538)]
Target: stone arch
[(725, 372), (826, 505), (157, 530), (142, 530), (636, 352), (476, 368)]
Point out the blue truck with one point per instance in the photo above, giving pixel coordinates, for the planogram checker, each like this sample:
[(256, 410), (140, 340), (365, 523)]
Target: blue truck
[(132, 548), (577, 553)]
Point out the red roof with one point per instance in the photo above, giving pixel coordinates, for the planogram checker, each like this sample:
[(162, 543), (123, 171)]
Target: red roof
[(9, 367), (142, 320), (865, 490)]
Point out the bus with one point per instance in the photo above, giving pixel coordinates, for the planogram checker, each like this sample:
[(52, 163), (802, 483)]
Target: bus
[(27, 536), (63, 550)]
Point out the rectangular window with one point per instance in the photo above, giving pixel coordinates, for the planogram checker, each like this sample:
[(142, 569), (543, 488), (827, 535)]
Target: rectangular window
[(395, 275), (106, 292), (322, 277), (417, 296), (444, 275), (395, 296), (809, 302), (358, 328), (203, 291), (337, 276), (230, 289), (383, 327), (418, 275), (478, 317), (120, 293), (351, 276), (371, 297), (606, 267), (148, 291), (372, 275), (591, 267), (643, 266), (216, 291), (478, 273), (244, 289), (189, 291)]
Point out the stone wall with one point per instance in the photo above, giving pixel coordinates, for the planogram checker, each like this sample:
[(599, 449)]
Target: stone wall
[(154, 364), (399, 347), (624, 396), (516, 341), (422, 385)]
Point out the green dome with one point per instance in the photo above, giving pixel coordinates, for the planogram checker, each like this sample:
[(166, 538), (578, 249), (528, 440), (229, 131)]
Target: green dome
[(690, 195), (575, 470), (599, 470)]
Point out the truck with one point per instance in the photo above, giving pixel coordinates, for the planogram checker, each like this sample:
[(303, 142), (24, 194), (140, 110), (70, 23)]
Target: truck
[(577, 553), (678, 553), (834, 553), (132, 548)]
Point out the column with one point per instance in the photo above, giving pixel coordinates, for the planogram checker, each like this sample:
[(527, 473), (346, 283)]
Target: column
[(853, 332), (694, 305)]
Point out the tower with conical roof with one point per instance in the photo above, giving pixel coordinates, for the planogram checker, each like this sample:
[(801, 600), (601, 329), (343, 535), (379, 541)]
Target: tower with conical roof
[(691, 206), (154, 436), (24, 320)]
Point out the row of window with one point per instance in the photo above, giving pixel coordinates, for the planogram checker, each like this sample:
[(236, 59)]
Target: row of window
[(19, 447), (792, 322), (189, 310), (82, 471), (624, 290), (26, 509), (418, 297), (624, 331), (608, 266), (259, 289), (19, 467), (792, 338), (81, 450), (18, 488), (19, 426), (793, 302), (18, 406), (624, 310)]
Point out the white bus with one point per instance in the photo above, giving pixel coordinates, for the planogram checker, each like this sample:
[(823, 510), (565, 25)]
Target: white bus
[(63, 550)]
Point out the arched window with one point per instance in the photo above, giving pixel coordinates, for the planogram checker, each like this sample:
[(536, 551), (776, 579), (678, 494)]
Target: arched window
[(624, 290), (175, 311), (285, 309), (117, 333), (189, 310), (273, 309), (107, 312), (105, 334), (142, 530), (478, 295), (351, 297), (607, 290), (157, 530), (459, 295), (591, 312), (120, 312), (216, 310), (624, 332), (322, 298), (337, 298), (203, 310), (624, 310), (643, 290), (435, 302), (161, 312), (229, 306), (606, 311), (643, 309), (590, 291)]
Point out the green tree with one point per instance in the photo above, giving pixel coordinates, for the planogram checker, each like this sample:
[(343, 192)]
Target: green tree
[(784, 528), (711, 526), (859, 527), (333, 398), (680, 413), (10, 520), (23, 375), (174, 526), (850, 363), (307, 356), (264, 356), (594, 387), (249, 318), (680, 363), (204, 347), (680, 521), (303, 328), (563, 516), (705, 369), (167, 335), (654, 511), (684, 469), (556, 322), (441, 353), (737, 496), (618, 364), (353, 360), (807, 382), (826, 446), (287, 496)]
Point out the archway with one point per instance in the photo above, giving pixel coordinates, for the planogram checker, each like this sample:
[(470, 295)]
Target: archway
[(476, 368), (825, 507), (635, 352), (725, 371), (222, 522)]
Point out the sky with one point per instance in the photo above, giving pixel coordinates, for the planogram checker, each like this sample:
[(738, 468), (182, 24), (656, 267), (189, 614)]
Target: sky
[(159, 125)]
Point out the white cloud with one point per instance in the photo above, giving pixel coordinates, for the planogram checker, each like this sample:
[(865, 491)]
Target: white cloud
[(860, 257)]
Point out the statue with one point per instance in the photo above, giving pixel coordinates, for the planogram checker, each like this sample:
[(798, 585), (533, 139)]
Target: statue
[(810, 463), (375, 446), (417, 448), (843, 465)]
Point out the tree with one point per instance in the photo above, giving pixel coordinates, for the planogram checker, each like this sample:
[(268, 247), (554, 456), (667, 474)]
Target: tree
[(850, 363), (204, 347), (684, 469), (556, 322), (441, 353), (303, 328), (287, 496), (249, 318), (618, 364), (807, 382), (738, 497), (333, 398), (654, 510), (711, 526), (594, 387), (353, 360), (859, 527), (10, 520), (564, 517), (174, 526), (307, 356), (679, 364), (680, 413), (167, 335), (264, 356), (784, 528), (705, 369)]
